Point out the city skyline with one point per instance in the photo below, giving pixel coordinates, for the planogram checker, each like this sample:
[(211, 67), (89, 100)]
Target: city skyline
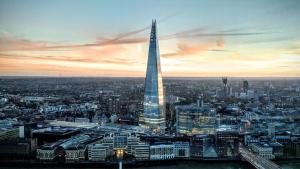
[(150, 84), (108, 38)]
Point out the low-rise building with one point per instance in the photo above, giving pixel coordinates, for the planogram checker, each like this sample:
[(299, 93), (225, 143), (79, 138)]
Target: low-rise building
[(263, 149), (277, 149), (48, 152), (72, 149), (162, 152), (197, 144), (121, 140), (182, 149), (75, 153), (75, 148), (141, 151), (227, 142), (32, 99), (99, 152)]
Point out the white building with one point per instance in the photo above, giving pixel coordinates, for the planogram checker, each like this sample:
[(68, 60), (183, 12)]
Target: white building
[(75, 153), (131, 141), (141, 151), (99, 152), (74, 149), (82, 120), (121, 140), (48, 152), (162, 152), (264, 150), (32, 99), (127, 141), (44, 154)]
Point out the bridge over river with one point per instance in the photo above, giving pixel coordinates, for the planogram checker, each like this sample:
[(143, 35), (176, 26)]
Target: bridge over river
[(256, 160)]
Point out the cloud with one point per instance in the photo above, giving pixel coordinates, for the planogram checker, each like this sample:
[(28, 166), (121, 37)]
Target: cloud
[(222, 34), (293, 49), (185, 48), (119, 61), (266, 40), (108, 54), (183, 33), (15, 67), (110, 51), (12, 43), (115, 41), (46, 57), (9, 43), (205, 32), (220, 42)]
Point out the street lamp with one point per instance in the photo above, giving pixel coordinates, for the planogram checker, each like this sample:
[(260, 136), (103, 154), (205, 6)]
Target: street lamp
[(120, 154)]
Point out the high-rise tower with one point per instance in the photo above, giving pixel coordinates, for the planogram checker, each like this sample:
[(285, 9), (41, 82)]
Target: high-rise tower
[(153, 117), (224, 80), (245, 86)]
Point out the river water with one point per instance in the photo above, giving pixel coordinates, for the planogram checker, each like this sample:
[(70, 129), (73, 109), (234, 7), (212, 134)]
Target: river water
[(189, 165), (227, 165)]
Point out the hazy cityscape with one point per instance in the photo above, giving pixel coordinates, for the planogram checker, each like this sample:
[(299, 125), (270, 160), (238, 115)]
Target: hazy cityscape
[(85, 120), (139, 101)]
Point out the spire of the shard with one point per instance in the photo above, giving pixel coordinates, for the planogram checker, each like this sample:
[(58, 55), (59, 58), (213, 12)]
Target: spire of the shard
[(153, 117)]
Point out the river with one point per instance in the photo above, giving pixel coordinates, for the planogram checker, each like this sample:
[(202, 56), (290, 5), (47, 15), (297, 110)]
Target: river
[(187, 165)]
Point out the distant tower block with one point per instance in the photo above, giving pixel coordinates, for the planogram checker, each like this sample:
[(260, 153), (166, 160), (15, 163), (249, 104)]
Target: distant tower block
[(245, 86), (200, 101), (153, 117), (224, 80)]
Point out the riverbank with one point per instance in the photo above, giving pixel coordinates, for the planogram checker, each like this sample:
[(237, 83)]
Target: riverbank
[(290, 164), (108, 165)]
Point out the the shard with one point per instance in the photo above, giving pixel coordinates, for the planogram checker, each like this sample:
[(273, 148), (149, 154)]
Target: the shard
[(153, 117)]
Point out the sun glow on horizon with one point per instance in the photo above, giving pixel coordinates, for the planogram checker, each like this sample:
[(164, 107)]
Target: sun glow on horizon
[(98, 43)]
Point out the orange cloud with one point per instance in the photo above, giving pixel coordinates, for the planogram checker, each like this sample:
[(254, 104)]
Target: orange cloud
[(125, 55), (185, 48), (13, 67), (11, 43), (88, 55), (44, 57)]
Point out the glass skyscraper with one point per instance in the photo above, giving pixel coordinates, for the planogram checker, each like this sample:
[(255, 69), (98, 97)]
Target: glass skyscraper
[(153, 117)]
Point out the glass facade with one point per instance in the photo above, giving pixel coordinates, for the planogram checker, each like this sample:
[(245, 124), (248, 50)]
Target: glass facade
[(191, 120), (154, 113)]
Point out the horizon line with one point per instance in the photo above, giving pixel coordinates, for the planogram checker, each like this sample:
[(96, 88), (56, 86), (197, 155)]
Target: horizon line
[(49, 76)]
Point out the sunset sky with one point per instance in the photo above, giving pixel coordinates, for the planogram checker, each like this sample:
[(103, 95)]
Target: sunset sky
[(210, 38)]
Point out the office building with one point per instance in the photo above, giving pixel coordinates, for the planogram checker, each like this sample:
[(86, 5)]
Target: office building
[(182, 149), (162, 151), (153, 117), (141, 151), (114, 105), (263, 149), (98, 152), (227, 143), (192, 120)]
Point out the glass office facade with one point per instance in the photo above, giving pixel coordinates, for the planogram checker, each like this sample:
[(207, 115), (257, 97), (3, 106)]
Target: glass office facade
[(192, 120), (154, 113)]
